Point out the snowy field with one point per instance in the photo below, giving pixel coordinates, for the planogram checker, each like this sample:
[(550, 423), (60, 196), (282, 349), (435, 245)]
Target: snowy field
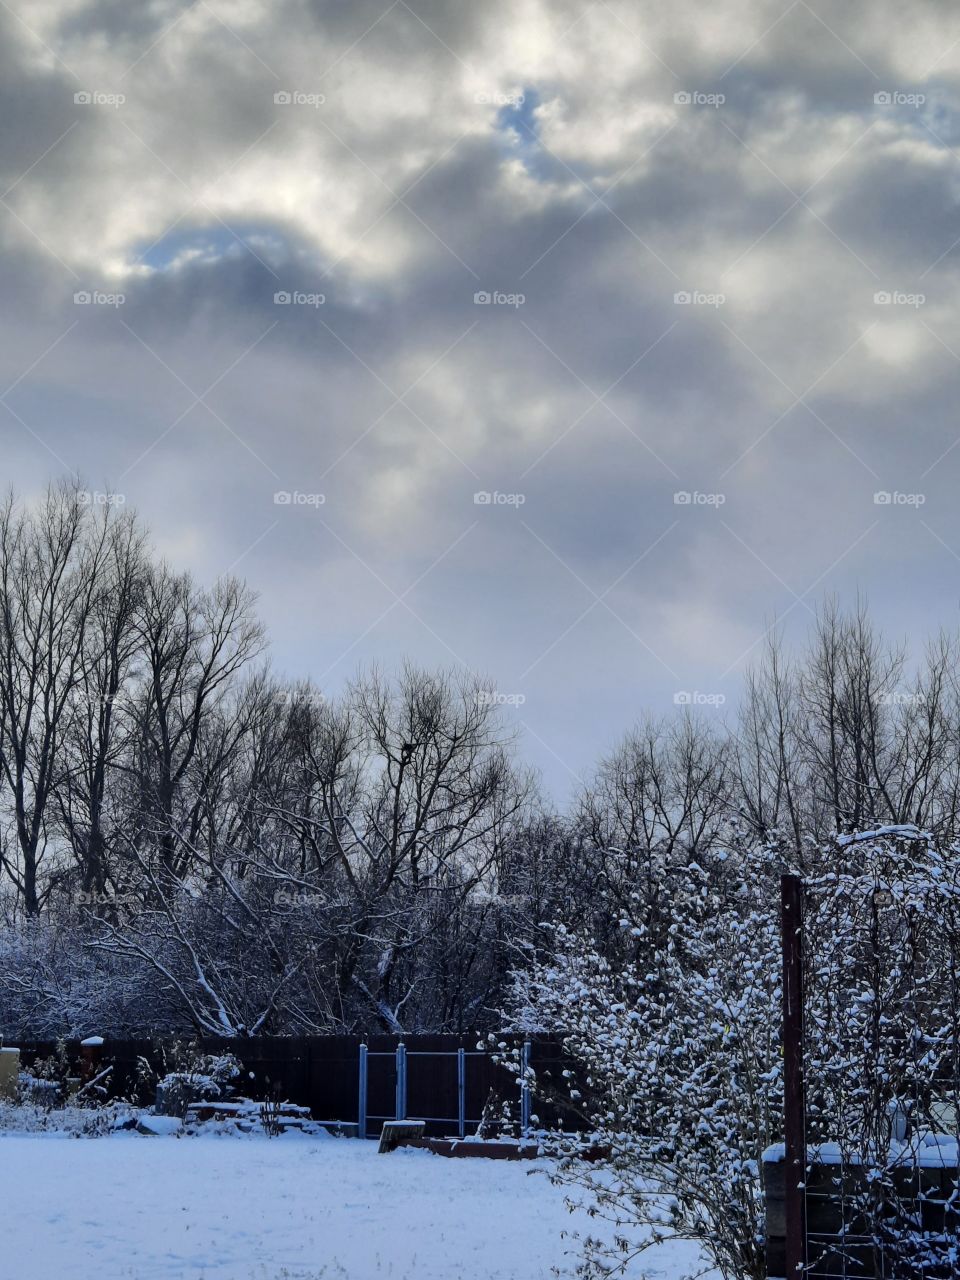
[(290, 1208)]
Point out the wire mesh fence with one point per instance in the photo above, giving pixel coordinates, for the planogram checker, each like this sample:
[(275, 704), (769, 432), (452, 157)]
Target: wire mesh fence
[(872, 1074)]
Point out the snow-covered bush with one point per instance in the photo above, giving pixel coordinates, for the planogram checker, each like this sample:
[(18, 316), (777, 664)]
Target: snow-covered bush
[(673, 1043), (46, 1082), (882, 935), (199, 1077), (674, 1066), (77, 1121)]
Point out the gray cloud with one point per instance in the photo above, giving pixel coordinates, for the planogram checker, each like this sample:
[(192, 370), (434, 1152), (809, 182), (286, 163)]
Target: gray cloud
[(420, 180)]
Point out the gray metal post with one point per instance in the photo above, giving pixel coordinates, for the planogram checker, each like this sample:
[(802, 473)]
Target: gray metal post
[(794, 1105), (401, 1082), (525, 1107), (462, 1091), (362, 1101)]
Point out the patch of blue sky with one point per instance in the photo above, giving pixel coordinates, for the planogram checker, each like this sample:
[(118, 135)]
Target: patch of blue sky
[(204, 245), (517, 123)]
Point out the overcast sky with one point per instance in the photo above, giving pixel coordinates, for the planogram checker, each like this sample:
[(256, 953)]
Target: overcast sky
[(789, 168)]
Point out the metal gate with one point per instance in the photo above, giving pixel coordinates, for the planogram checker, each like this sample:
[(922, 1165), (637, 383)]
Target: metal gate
[(399, 1062)]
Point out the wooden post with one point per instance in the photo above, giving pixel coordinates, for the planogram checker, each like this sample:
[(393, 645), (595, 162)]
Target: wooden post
[(794, 1103)]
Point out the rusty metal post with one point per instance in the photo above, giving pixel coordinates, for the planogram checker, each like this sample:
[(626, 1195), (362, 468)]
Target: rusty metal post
[(794, 1101)]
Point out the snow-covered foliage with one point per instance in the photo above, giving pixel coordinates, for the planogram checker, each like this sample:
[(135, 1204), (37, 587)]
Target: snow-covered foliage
[(74, 1121), (674, 1064), (200, 1077), (882, 932)]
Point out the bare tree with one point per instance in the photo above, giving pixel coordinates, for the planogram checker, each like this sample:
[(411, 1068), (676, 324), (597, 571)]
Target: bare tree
[(657, 806), (97, 740), (848, 734), (194, 644), (51, 561)]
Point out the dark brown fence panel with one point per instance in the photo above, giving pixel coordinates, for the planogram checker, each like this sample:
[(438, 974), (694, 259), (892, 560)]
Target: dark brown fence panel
[(333, 1077), (272, 1067), (322, 1073)]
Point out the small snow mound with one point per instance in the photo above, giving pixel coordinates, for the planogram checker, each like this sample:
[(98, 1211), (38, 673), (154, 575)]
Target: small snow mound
[(158, 1126)]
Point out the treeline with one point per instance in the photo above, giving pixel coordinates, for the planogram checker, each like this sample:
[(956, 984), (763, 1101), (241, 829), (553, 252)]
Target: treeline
[(189, 842)]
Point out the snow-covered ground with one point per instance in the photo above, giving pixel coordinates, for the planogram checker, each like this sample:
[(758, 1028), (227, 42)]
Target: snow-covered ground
[(290, 1208)]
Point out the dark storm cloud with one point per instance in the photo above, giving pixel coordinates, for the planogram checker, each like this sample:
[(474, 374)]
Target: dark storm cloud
[(420, 180)]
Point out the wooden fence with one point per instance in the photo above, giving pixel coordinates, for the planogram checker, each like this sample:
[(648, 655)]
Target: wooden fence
[(323, 1073)]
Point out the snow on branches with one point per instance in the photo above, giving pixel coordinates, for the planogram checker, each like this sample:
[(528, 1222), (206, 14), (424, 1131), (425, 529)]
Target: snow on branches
[(674, 1065), (882, 941)]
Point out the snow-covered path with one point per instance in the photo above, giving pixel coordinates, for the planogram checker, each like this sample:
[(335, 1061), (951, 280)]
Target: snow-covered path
[(283, 1209)]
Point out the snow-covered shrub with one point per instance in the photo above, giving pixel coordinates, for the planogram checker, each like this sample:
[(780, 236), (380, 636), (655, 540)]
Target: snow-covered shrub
[(673, 1043), (675, 1067), (199, 1077), (46, 1083), (35, 1091), (882, 933), (77, 1121), (55, 1081)]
